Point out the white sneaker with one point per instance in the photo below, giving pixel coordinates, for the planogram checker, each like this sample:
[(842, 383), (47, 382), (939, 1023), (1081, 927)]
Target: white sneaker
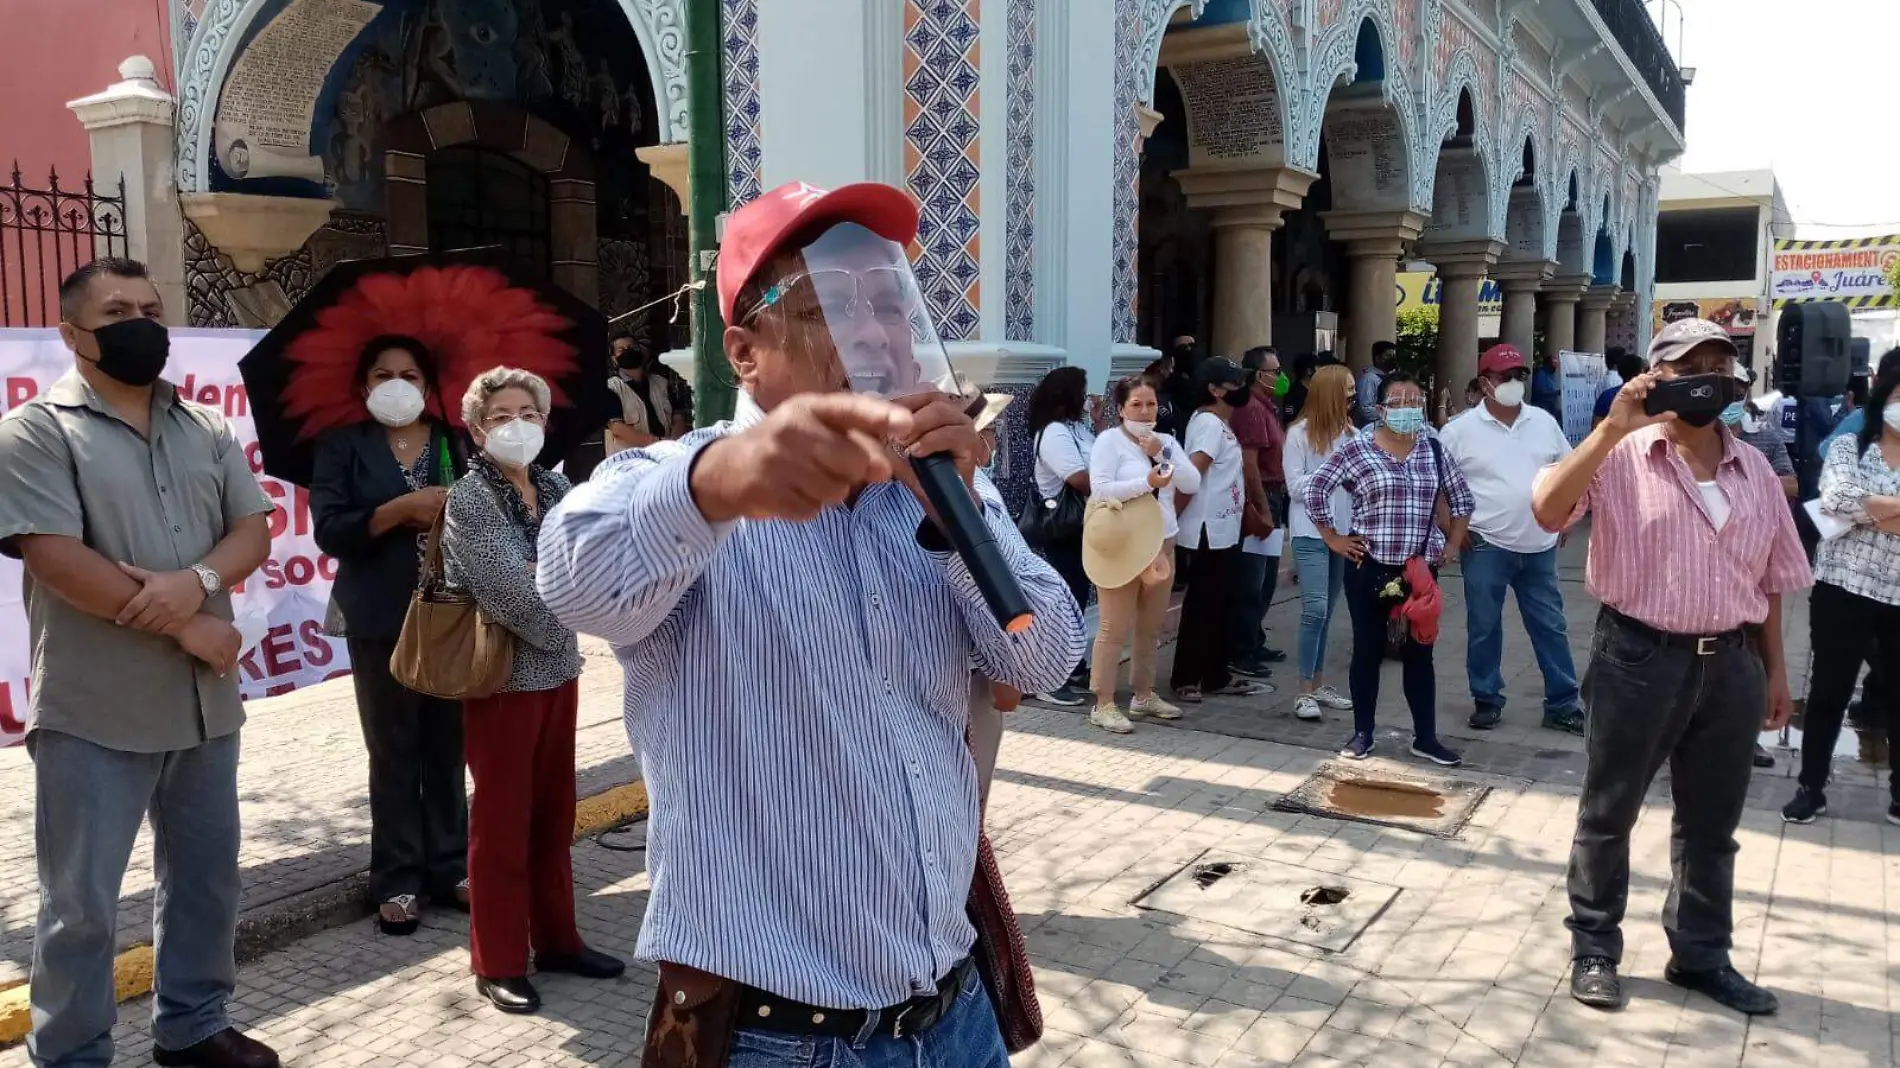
[(1153, 705), (1110, 719), (1333, 699), (1307, 708)]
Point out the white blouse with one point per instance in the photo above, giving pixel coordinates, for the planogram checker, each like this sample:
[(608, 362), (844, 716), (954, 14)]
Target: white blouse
[(1301, 461), (1216, 506), (1118, 471), (1062, 450)]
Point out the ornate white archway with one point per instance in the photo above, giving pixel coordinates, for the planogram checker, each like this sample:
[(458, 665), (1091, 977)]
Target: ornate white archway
[(660, 26)]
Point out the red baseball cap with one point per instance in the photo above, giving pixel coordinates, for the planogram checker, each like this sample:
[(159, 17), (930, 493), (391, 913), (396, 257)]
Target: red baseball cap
[(760, 229), (1500, 360)]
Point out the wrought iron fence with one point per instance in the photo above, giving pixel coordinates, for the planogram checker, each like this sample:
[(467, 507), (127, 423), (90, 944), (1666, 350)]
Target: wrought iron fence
[(1642, 42), (44, 235)]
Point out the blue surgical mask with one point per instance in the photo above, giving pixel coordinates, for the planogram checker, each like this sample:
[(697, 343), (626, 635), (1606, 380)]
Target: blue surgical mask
[(1732, 415), (1404, 420)]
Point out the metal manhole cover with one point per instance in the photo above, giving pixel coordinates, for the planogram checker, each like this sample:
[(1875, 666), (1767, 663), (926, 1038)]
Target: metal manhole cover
[(1388, 795), (1272, 899)]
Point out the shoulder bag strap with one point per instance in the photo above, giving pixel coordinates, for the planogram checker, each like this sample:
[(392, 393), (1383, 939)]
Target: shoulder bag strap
[(1441, 495), (432, 555)]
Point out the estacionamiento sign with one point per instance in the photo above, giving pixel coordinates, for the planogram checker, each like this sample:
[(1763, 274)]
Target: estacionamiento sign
[(1852, 271)]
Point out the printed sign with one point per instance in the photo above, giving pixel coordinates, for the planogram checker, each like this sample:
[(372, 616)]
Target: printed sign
[(1852, 271), (286, 599), (1585, 377), (1737, 315)]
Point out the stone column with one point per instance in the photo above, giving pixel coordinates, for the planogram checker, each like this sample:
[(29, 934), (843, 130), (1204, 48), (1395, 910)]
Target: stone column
[(1560, 299), (1246, 206), (1243, 280), (1520, 283), (1593, 318), (130, 126), (1374, 241), (1462, 267)]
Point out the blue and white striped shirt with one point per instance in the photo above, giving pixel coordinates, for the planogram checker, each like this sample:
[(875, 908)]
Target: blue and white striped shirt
[(797, 694)]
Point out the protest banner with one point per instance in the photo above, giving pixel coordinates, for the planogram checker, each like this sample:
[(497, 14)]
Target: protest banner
[(286, 599), (1585, 375)]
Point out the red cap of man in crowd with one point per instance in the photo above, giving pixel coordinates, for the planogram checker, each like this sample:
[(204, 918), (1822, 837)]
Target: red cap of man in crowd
[(762, 228), (1501, 360)]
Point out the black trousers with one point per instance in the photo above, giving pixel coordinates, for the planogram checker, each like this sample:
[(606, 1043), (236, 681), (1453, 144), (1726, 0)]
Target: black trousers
[(1847, 630), (1066, 558), (1370, 617), (418, 804), (1646, 703), (1201, 648)]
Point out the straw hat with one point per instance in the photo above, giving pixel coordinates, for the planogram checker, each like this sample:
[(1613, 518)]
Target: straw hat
[(1120, 539)]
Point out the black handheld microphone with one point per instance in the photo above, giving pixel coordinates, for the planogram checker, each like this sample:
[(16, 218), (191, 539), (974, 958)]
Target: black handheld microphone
[(971, 537)]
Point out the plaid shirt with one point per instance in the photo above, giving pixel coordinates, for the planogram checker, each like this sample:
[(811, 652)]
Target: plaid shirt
[(1393, 501)]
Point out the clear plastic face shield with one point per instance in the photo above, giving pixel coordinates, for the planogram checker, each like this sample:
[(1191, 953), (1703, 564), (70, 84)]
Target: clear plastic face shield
[(851, 315)]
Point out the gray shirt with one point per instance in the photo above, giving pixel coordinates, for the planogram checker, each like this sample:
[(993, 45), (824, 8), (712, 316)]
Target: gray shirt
[(489, 551), (69, 466)]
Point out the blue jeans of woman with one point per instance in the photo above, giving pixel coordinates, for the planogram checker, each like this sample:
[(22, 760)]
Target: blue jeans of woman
[(1369, 617), (1321, 573), (967, 1037)]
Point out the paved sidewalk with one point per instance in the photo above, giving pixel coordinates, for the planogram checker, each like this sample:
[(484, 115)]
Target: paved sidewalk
[(303, 785), (1466, 966)]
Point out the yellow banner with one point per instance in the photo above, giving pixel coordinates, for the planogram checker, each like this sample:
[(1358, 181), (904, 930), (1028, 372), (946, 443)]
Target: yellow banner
[(1419, 289)]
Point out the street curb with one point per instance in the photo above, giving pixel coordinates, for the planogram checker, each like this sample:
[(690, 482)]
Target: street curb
[(276, 924)]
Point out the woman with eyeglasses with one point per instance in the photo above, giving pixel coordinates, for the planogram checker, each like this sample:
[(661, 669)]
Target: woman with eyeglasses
[(520, 741), (1395, 472)]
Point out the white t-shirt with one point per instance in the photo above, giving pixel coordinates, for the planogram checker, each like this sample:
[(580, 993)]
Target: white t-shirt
[(1062, 449), (1501, 464), (1216, 508), (1716, 502), (1118, 471), (1301, 461)]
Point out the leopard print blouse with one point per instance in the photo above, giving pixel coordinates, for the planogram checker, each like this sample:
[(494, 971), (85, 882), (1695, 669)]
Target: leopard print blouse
[(489, 551)]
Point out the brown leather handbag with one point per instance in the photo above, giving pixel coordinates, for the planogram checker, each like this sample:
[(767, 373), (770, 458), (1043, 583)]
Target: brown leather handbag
[(449, 647)]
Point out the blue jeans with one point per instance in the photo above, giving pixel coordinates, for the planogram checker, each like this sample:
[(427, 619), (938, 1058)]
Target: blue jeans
[(89, 802), (1489, 573), (1254, 578), (967, 1037), (1320, 575)]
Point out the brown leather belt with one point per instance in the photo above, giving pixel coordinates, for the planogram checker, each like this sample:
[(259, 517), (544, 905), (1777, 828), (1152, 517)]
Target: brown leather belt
[(763, 1011)]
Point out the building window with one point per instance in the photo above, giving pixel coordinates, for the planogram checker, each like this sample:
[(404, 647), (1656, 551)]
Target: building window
[(479, 198), (1721, 245)]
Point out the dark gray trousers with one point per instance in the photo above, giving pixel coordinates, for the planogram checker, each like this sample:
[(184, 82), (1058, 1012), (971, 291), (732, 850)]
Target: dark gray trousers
[(418, 800), (1647, 703)]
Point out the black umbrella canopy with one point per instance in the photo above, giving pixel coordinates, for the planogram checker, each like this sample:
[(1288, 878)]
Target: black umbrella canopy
[(473, 310)]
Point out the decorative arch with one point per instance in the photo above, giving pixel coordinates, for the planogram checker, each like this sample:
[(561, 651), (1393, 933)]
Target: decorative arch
[(1155, 16), (1336, 59), (1526, 133), (1461, 78), (660, 26)]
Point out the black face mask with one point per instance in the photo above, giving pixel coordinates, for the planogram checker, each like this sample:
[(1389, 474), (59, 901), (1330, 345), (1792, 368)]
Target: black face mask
[(1238, 398), (631, 360), (132, 351)]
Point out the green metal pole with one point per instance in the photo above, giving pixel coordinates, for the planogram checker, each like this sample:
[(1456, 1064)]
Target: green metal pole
[(706, 163)]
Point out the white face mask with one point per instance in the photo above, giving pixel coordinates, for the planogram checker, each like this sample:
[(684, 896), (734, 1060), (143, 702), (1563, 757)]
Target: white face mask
[(1139, 429), (395, 403), (1510, 394), (1891, 415), (515, 443)]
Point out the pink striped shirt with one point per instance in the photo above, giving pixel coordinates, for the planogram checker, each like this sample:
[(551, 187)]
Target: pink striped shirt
[(1655, 554)]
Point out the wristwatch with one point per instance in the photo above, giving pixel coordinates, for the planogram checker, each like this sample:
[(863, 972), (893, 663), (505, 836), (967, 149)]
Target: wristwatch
[(208, 580)]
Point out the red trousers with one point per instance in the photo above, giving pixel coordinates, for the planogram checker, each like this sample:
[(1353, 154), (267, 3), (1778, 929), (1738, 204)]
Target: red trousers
[(520, 750)]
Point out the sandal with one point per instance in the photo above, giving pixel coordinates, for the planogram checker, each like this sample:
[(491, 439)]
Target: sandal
[(400, 915), (459, 900)]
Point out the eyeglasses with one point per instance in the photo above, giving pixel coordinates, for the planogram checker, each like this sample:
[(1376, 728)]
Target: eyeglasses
[(497, 419), (816, 297)]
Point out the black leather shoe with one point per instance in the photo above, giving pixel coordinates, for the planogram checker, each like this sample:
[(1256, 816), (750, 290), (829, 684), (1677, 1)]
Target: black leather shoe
[(1593, 982), (226, 1049), (515, 995), (1725, 986), (588, 964), (1486, 717)]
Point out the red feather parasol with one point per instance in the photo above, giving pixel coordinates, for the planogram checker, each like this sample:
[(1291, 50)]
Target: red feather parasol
[(471, 318)]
